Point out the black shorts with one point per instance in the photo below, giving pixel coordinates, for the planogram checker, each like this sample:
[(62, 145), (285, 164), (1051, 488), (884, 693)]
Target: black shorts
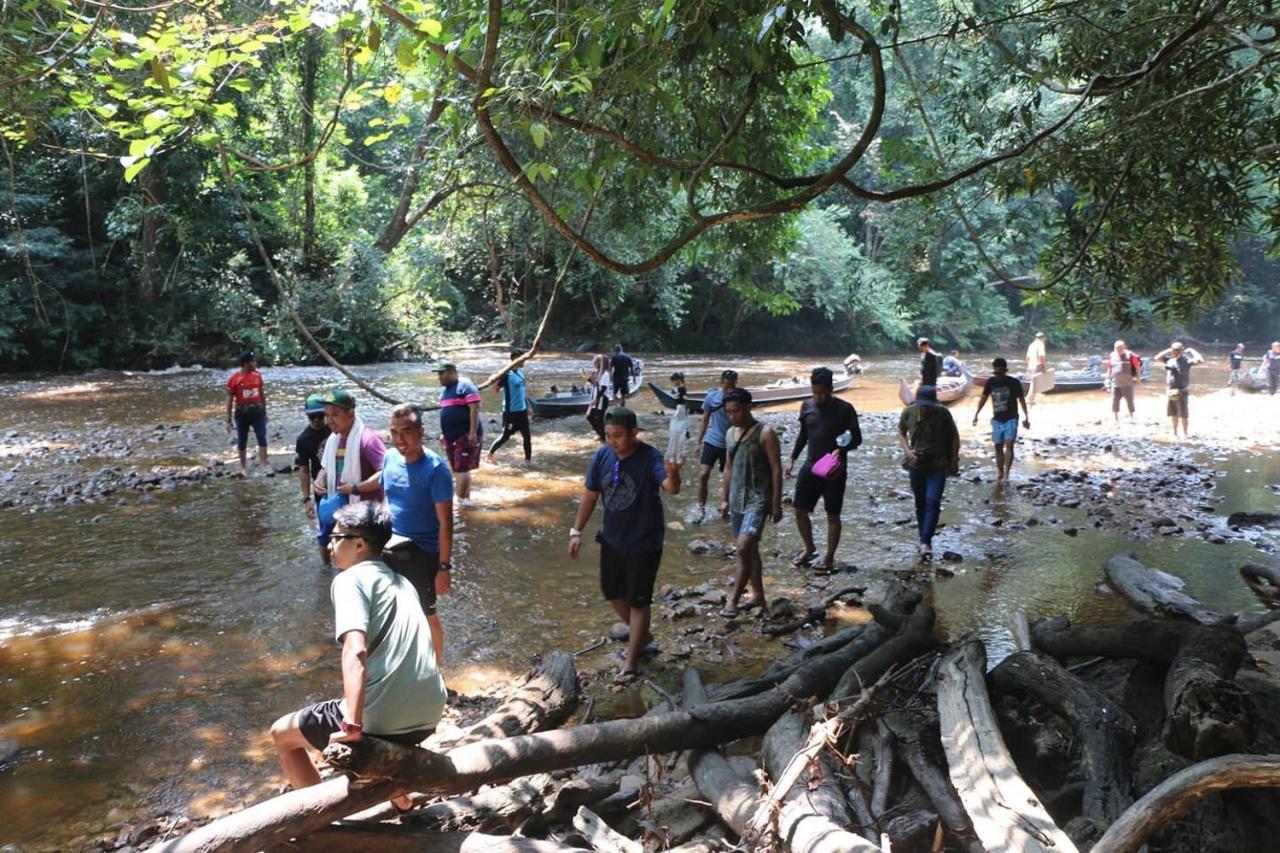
[(712, 455), (629, 576), (419, 567), (318, 721), (1177, 407), (621, 385), (810, 487)]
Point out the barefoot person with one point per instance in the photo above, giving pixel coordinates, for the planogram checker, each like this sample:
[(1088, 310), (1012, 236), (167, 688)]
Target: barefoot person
[(391, 687), (460, 427), (1005, 393), (306, 459), (715, 423), (247, 408), (751, 493), (929, 440), (420, 496), (1178, 361), (824, 418), (631, 477)]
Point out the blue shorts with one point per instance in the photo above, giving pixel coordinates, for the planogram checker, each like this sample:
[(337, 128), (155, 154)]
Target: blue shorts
[(747, 523), (1004, 431)]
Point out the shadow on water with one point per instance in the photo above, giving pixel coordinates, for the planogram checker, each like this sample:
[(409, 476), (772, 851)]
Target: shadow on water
[(150, 638)]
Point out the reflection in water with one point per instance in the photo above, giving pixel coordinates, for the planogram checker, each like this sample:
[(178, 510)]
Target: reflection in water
[(147, 641)]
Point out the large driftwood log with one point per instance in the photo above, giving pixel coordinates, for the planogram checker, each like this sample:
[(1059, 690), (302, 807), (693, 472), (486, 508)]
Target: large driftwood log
[(1206, 712), (491, 808), (815, 613), (542, 700), (1176, 796), (1105, 731), (813, 817), (1156, 592), (914, 638), (1006, 814), (467, 767), (916, 741), (372, 837), (1254, 519), (1264, 581), (732, 797), (601, 836)]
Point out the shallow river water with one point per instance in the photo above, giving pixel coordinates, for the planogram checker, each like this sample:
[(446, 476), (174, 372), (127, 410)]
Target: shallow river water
[(148, 638)]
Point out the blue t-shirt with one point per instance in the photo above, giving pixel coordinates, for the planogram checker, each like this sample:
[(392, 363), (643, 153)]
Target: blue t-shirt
[(413, 490), (718, 425), (512, 385), (631, 490), (455, 412)]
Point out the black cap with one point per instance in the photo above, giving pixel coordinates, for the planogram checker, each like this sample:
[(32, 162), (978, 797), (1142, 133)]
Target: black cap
[(620, 416), (246, 357), (821, 376)]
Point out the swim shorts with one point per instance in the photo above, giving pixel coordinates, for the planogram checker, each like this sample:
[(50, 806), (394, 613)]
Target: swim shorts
[(318, 721), (712, 455), (462, 453), (629, 576), (810, 487), (1002, 431)]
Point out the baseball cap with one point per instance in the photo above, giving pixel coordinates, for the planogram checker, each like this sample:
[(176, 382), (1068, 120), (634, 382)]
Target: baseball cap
[(620, 416), (340, 398), (314, 405), (1176, 345), (448, 365), (1039, 334), (246, 357)]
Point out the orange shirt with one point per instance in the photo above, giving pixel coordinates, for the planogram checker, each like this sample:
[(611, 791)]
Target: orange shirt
[(246, 388)]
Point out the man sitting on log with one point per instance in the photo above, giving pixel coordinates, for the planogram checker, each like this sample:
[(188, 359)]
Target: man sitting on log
[(391, 687)]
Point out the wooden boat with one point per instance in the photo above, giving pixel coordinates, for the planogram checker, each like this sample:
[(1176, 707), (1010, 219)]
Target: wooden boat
[(782, 391), (1255, 380), (1044, 382), (561, 404), (950, 389)]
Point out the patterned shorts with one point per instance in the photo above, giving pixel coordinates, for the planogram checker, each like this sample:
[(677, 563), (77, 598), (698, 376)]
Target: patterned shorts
[(462, 453)]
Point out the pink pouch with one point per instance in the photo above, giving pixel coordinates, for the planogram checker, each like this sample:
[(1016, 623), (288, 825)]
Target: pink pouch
[(828, 467)]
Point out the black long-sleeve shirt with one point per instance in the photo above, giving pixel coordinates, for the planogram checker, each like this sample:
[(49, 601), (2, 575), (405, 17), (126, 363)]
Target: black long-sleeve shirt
[(820, 425)]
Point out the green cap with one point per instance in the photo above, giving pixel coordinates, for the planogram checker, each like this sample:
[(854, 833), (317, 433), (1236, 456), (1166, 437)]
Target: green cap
[(338, 397), (443, 366), (620, 416), (314, 405)]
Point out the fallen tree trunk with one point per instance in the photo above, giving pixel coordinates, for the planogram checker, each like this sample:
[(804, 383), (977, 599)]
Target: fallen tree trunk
[(467, 767), (504, 805), (1254, 519), (1156, 592), (372, 837), (1105, 731), (916, 742), (543, 700), (733, 798), (1006, 814), (1264, 581), (914, 638), (1206, 712), (815, 613), (1176, 795)]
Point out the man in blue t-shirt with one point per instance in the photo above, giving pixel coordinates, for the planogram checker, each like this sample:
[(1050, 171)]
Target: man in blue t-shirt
[(631, 476), (460, 427), (419, 491), (515, 410), (711, 435)]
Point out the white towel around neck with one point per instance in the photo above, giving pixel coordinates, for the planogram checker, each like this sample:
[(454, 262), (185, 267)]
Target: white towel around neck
[(351, 472)]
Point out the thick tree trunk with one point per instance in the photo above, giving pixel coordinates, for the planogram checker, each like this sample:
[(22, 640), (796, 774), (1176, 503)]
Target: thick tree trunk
[(492, 808), (1105, 731), (1006, 814), (390, 838), (914, 639), (1178, 794), (916, 742), (154, 196), (1156, 592), (733, 798), (543, 700), (1207, 713)]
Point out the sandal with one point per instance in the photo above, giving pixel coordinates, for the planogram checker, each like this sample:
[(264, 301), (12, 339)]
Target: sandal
[(627, 677), (729, 612), (804, 558), (826, 567), (752, 605), (648, 650)]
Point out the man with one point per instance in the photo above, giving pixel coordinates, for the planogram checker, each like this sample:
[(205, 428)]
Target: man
[(354, 475), (1005, 392), (1037, 362), (306, 458), (715, 422), (952, 365), (1271, 363), (391, 687), (752, 492), (245, 393), (419, 491), (620, 368), (930, 363), (931, 448), (824, 418), (631, 476), (1237, 374), (1178, 361), (515, 410), (1124, 372), (461, 431)]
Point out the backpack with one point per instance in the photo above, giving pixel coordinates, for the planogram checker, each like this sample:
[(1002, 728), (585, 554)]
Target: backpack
[(1135, 364)]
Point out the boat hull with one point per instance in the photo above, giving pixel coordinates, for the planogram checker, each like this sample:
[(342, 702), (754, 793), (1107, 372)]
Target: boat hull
[(759, 396)]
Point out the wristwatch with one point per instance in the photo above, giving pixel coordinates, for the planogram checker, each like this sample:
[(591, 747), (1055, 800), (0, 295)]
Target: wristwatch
[(575, 533), (446, 566)]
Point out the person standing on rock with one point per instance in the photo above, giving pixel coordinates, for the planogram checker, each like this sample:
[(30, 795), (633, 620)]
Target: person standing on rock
[(354, 475), (1178, 361), (631, 477), (391, 685), (1271, 365), (1005, 392), (419, 492), (460, 427), (306, 459), (824, 420), (247, 408), (515, 410), (751, 493), (1124, 372), (930, 442), (715, 422)]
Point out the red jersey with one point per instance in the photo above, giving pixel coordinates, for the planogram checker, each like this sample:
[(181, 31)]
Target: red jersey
[(246, 388)]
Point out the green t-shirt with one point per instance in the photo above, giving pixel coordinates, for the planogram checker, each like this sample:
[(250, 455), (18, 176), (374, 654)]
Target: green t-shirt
[(403, 689), (931, 433)]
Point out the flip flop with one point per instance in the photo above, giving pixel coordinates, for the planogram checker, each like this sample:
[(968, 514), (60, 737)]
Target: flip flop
[(825, 568), (752, 605), (804, 558), (648, 650), (729, 612), (627, 677)]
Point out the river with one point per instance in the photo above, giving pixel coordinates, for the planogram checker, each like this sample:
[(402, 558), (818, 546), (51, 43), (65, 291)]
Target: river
[(150, 635)]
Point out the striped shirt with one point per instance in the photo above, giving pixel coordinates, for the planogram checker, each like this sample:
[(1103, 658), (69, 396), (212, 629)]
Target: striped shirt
[(455, 417)]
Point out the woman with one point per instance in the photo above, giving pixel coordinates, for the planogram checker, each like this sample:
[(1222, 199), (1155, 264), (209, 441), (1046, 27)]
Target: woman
[(598, 384), (931, 444)]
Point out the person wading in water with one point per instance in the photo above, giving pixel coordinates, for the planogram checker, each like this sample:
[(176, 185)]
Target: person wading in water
[(928, 437), (752, 493)]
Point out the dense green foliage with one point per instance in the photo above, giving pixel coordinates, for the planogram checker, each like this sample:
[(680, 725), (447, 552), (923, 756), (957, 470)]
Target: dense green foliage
[(713, 174)]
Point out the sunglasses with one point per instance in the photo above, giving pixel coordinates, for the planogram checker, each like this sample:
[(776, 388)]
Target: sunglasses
[(337, 536)]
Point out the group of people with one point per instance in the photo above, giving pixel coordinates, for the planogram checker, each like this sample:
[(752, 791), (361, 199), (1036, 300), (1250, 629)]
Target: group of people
[(610, 380)]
